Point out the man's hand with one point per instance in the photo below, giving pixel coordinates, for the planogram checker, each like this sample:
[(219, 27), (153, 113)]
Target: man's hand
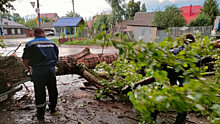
[(29, 71), (29, 68)]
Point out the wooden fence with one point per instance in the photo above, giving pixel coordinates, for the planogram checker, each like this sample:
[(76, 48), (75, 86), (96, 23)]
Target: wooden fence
[(179, 31)]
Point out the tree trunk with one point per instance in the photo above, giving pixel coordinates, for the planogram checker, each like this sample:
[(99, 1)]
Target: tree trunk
[(12, 69), (71, 64)]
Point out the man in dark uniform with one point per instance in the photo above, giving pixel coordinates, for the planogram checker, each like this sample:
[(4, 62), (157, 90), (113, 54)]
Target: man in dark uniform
[(40, 56)]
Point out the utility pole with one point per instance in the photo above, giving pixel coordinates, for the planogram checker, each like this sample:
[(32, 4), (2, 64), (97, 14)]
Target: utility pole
[(73, 8), (38, 6), (2, 31)]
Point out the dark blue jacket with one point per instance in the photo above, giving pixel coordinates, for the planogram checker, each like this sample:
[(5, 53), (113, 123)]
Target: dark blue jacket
[(41, 52)]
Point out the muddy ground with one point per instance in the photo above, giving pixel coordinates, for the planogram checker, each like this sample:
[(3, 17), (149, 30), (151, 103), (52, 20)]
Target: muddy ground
[(74, 106), (77, 106)]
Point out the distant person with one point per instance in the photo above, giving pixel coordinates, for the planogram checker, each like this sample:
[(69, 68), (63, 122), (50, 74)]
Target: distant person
[(40, 56)]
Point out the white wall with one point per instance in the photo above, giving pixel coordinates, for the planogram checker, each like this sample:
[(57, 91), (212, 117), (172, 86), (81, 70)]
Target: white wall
[(142, 33)]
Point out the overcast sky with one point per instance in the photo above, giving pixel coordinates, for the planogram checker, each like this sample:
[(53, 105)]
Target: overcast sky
[(87, 8)]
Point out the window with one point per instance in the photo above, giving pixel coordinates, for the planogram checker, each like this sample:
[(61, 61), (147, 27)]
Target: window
[(12, 31), (19, 31), (5, 31)]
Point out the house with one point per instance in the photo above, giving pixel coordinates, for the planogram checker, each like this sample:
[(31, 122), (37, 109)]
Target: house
[(48, 26), (53, 16), (67, 22), (122, 27), (12, 29), (90, 23), (190, 12), (142, 27)]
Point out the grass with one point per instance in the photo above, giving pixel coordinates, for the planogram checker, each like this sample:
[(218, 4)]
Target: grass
[(55, 41), (77, 42)]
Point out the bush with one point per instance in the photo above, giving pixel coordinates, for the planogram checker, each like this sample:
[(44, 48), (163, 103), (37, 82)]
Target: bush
[(201, 20), (63, 35)]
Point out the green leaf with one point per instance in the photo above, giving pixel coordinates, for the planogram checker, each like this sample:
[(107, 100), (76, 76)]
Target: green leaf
[(185, 65), (167, 30), (182, 52)]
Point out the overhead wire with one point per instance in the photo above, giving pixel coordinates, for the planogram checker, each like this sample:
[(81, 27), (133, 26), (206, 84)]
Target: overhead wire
[(58, 4), (54, 4)]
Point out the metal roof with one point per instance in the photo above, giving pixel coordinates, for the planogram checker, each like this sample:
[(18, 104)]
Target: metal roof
[(12, 24), (47, 25), (68, 22)]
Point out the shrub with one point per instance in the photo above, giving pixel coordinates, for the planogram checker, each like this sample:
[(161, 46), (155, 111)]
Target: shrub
[(201, 20)]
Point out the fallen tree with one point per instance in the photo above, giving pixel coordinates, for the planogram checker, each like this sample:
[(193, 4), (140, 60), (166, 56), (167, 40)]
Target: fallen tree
[(12, 69), (128, 72), (70, 64)]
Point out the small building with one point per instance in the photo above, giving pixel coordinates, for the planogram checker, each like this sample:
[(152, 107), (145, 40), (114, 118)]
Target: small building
[(90, 23), (190, 12), (12, 29), (48, 26), (122, 27), (53, 16), (68, 22), (143, 28)]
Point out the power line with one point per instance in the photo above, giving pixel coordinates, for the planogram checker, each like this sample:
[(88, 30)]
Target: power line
[(54, 4), (88, 10)]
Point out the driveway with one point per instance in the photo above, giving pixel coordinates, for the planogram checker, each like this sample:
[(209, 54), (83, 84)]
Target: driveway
[(16, 41), (12, 44)]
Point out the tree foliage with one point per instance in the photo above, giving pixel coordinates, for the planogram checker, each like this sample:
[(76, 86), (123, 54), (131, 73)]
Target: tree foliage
[(46, 19), (6, 15), (201, 20), (103, 40), (21, 21), (170, 17), (29, 17), (70, 14), (31, 24), (5, 5), (16, 17), (102, 23), (199, 94), (117, 10), (143, 8), (211, 8), (131, 8)]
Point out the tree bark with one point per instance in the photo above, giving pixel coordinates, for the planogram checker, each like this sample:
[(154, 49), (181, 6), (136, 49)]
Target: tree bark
[(146, 81), (70, 64)]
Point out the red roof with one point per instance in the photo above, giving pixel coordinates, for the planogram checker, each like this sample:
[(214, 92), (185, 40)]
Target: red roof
[(49, 15), (90, 23), (190, 12)]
